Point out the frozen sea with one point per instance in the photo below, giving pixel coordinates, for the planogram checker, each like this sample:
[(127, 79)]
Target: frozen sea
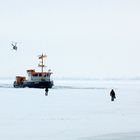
[(73, 110)]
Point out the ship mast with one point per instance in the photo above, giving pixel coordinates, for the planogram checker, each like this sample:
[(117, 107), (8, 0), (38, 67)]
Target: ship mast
[(41, 63)]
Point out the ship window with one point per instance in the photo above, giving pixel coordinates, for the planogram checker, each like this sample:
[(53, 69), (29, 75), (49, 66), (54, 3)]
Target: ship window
[(40, 74), (45, 75), (35, 74)]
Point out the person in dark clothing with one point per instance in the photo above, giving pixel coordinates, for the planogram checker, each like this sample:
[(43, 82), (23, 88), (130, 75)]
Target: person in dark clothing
[(46, 91), (112, 94)]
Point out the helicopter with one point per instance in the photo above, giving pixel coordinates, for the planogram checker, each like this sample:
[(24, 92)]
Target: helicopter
[(14, 46)]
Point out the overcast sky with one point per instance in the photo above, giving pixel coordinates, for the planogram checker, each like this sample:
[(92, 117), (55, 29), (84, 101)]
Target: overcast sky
[(89, 38)]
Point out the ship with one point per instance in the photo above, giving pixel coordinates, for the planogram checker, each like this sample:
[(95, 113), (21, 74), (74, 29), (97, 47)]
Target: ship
[(41, 79)]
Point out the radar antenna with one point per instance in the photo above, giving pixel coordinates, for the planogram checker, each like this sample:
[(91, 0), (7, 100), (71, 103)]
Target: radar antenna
[(41, 63)]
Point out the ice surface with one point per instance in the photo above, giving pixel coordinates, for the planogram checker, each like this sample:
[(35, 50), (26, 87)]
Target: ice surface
[(73, 110)]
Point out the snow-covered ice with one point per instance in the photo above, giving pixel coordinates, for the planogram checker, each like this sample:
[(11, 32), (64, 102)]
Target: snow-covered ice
[(73, 110)]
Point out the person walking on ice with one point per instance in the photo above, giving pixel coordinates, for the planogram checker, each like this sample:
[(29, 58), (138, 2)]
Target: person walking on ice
[(112, 94), (46, 91)]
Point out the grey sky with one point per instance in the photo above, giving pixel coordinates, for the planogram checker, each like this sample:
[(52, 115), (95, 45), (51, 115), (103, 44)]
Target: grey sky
[(89, 38)]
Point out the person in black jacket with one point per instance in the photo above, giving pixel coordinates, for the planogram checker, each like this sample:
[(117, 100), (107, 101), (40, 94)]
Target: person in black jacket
[(46, 91), (112, 94)]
